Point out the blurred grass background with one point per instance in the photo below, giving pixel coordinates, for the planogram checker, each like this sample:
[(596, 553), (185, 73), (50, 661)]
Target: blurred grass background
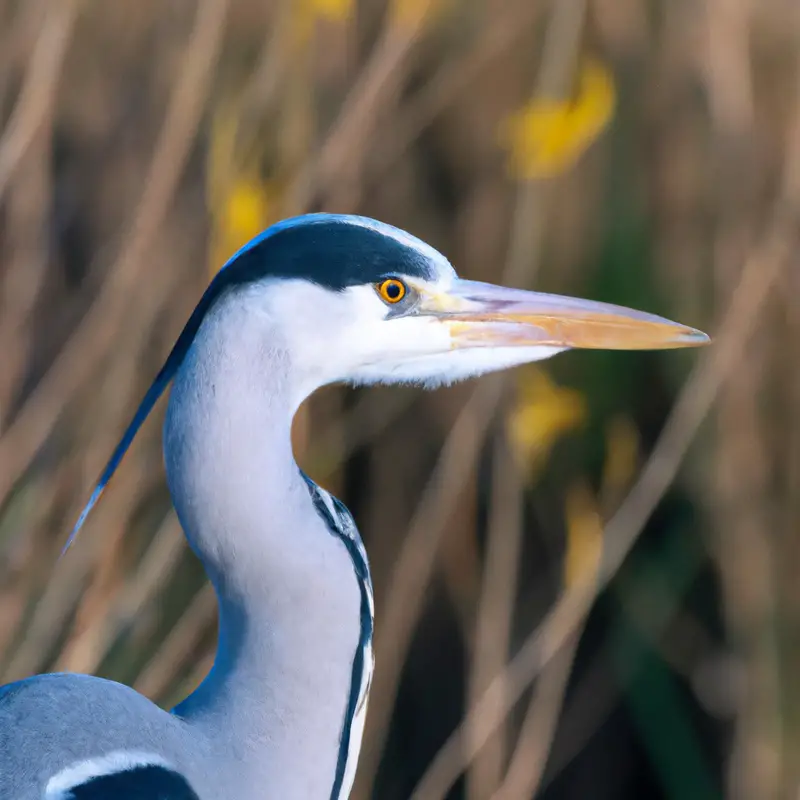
[(585, 572)]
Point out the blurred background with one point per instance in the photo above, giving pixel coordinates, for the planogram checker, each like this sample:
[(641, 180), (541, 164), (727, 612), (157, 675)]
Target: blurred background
[(586, 571)]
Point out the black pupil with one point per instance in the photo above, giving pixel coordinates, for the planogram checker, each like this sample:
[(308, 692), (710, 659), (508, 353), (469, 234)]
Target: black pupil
[(393, 290)]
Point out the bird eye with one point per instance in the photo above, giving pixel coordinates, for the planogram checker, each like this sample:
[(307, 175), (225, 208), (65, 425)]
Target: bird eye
[(392, 290)]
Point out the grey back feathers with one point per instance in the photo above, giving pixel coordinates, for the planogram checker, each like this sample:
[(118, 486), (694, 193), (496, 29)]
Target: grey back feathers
[(59, 732)]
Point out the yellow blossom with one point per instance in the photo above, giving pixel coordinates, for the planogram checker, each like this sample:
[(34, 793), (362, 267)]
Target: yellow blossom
[(248, 207), (584, 537), (542, 413), (547, 137)]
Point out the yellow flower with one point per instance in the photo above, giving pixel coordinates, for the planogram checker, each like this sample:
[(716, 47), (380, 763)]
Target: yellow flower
[(248, 207), (542, 413), (547, 137), (584, 537)]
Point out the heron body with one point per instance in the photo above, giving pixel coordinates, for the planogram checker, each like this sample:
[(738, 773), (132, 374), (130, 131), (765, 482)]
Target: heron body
[(314, 300)]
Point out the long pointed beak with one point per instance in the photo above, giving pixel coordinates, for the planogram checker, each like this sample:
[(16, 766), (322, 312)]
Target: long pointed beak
[(484, 315)]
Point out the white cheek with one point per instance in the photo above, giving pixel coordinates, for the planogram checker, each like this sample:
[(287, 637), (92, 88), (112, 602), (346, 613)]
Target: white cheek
[(357, 332), (310, 320), (384, 342), (330, 334), (452, 365)]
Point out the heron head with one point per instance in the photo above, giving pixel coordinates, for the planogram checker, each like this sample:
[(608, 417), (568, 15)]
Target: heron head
[(363, 302)]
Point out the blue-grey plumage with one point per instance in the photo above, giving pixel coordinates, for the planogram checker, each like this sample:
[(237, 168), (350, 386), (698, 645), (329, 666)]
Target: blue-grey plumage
[(314, 300)]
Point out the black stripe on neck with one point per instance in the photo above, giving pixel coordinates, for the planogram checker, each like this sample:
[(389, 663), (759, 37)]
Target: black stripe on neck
[(343, 527)]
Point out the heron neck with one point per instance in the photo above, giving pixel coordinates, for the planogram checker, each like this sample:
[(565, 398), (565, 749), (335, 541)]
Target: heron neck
[(288, 597)]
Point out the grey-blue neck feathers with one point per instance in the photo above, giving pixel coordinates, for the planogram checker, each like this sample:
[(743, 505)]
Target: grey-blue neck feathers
[(294, 654)]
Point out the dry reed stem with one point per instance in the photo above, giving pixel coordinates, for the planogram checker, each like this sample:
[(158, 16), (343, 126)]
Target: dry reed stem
[(22, 551), (57, 602), (568, 613), (156, 567), (594, 696), (346, 143), (170, 658), (28, 224), (414, 567), (38, 92), (526, 769), (25, 150), (196, 676), (19, 38), (77, 652), (496, 608), (746, 552), (98, 328), (361, 424), (265, 79), (532, 749), (139, 589), (450, 83), (117, 385)]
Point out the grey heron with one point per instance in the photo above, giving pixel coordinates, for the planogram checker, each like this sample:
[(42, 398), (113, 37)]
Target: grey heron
[(313, 300)]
